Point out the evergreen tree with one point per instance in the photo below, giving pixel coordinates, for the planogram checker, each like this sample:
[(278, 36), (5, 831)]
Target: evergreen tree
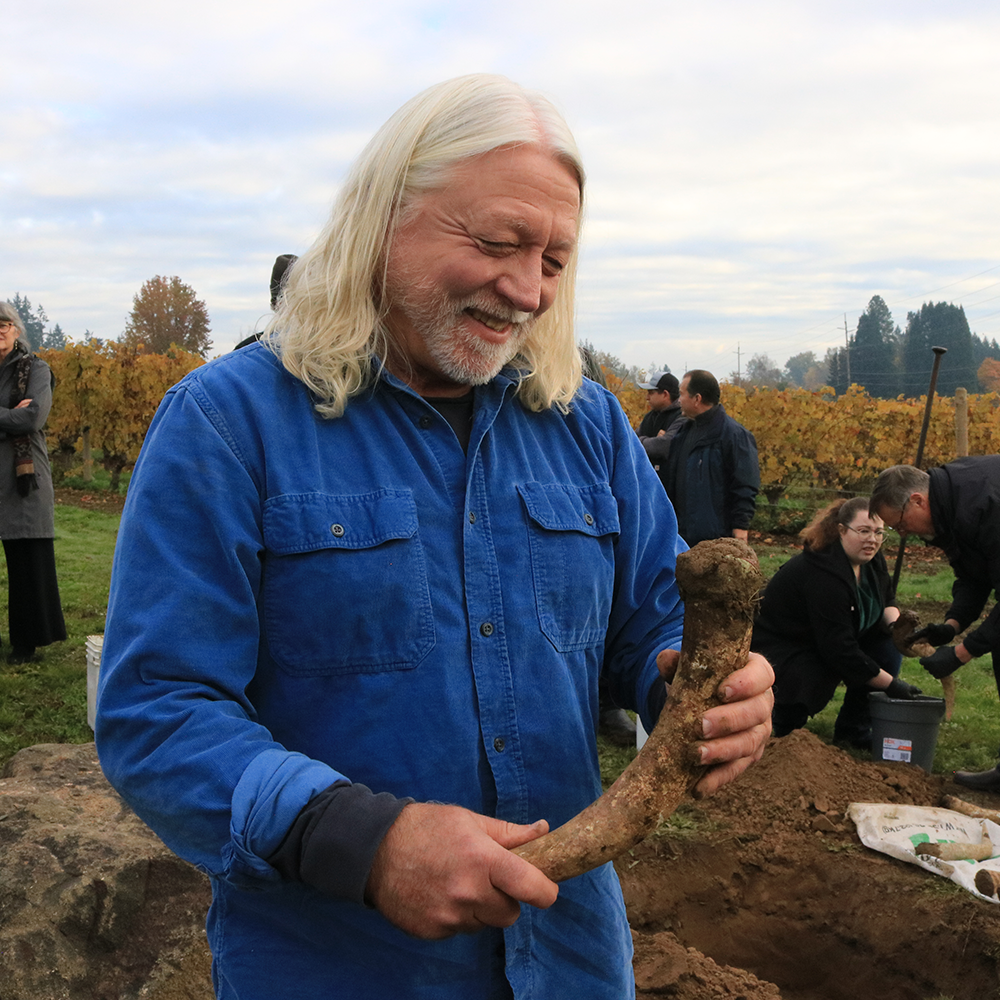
[(34, 321), (54, 339), (836, 366), (938, 324), (873, 354), (983, 349)]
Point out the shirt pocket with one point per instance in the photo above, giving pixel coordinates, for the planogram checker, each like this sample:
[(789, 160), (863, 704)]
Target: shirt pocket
[(345, 586), (571, 536)]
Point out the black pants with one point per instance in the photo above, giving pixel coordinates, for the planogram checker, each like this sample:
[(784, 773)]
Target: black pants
[(854, 719), (34, 614)]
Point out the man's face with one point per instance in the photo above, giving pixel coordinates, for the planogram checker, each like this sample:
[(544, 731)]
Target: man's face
[(913, 518), (473, 263), (689, 404), (657, 400)]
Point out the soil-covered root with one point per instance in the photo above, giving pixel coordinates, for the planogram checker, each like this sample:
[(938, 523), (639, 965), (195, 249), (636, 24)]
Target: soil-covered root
[(719, 581)]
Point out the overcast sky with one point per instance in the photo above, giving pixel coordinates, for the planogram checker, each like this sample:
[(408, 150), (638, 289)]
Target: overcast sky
[(757, 171)]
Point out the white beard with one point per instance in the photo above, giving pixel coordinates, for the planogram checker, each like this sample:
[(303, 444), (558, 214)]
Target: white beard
[(462, 356)]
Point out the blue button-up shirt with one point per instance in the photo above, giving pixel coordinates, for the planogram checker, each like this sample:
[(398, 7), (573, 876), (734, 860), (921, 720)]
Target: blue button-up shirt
[(298, 600)]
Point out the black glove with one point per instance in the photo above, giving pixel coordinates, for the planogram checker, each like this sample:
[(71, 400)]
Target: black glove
[(936, 635), (941, 662), (900, 689)]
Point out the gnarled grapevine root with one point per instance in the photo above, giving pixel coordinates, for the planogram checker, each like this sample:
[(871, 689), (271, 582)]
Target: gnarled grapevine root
[(719, 581)]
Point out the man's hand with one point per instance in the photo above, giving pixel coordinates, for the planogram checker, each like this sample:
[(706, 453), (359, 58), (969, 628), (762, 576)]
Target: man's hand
[(942, 662), (444, 870), (936, 634), (737, 730)]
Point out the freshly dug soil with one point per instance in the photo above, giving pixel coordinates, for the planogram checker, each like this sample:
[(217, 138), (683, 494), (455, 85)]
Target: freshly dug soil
[(765, 891)]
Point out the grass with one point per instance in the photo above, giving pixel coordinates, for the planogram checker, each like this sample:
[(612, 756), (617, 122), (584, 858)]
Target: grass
[(970, 740), (46, 702)]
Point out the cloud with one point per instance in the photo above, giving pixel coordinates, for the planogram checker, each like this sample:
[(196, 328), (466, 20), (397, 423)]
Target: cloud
[(755, 172)]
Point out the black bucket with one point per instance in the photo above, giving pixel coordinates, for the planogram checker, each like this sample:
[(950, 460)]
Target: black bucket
[(905, 729)]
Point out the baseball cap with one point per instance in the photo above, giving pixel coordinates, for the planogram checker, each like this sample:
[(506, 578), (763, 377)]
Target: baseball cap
[(662, 382)]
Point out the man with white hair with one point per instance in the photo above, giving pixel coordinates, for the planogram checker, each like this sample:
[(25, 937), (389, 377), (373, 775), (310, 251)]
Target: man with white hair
[(369, 574)]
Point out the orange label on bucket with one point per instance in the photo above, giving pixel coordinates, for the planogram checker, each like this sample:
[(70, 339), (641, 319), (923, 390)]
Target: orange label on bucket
[(893, 749)]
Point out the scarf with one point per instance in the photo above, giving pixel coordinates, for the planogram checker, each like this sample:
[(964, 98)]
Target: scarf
[(24, 466)]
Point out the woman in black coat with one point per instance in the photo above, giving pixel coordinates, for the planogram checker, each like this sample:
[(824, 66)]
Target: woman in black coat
[(825, 619)]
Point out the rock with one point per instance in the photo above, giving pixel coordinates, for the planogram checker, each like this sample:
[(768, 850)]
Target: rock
[(93, 906)]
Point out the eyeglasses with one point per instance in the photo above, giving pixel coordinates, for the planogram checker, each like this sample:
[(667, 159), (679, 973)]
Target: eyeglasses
[(5, 325), (877, 533), (898, 526)]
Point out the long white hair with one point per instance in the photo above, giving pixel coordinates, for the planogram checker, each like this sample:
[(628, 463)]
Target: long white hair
[(328, 328)]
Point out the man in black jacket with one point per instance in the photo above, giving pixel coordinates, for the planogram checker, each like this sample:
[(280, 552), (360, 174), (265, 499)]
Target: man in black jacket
[(955, 507), (711, 475), (664, 419)]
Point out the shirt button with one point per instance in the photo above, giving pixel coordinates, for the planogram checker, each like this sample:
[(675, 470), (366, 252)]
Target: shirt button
[(472, 517), (425, 421), (498, 744), (486, 629), (588, 518), (337, 530)]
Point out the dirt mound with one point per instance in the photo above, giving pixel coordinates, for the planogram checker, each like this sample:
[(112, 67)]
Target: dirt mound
[(769, 881)]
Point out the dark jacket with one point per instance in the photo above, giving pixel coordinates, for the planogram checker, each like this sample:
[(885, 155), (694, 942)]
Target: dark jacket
[(657, 446), (712, 476), (809, 626), (659, 420), (965, 507)]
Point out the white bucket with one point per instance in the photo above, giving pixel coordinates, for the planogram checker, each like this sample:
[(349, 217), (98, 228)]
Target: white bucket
[(640, 734), (94, 645)]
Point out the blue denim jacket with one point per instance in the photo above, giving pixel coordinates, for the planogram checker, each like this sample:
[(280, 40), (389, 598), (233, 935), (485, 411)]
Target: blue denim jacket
[(296, 600)]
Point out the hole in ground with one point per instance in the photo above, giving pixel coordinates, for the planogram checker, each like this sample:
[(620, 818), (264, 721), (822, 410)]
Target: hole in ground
[(769, 877)]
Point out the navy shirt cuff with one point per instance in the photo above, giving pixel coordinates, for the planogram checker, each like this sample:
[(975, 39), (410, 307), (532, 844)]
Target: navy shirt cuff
[(332, 843)]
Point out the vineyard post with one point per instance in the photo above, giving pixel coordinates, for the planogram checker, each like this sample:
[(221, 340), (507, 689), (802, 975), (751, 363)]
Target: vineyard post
[(961, 423), (938, 351)]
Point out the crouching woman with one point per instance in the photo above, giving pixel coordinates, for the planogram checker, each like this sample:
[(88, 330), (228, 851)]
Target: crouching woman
[(825, 619)]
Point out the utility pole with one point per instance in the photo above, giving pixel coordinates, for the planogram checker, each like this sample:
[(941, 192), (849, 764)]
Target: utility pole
[(739, 377), (847, 350)]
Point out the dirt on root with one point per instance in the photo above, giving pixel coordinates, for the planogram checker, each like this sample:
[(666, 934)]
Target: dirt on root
[(765, 891)]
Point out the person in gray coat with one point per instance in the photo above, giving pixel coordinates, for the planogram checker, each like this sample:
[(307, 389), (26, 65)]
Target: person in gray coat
[(27, 503)]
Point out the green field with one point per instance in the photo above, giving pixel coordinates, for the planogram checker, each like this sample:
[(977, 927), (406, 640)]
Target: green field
[(46, 702)]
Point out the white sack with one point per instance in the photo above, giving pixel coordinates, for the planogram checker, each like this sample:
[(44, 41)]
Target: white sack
[(896, 831)]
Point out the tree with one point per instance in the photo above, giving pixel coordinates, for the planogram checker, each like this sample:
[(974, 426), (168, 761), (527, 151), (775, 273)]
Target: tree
[(54, 339), (762, 372), (989, 375), (798, 366), (983, 349), (837, 369), (107, 396), (940, 324), (34, 322), (613, 365), (167, 312), (873, 354)]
